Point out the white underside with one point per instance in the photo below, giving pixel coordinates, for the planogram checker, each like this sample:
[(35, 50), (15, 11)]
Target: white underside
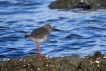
[(38, 40)]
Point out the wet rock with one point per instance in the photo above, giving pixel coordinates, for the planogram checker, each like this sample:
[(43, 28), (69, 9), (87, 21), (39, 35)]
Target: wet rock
[(97, 55), (67, 63), (85, 4), (63, 4)]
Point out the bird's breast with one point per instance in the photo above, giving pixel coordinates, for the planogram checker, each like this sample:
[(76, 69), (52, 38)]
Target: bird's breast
[(39, 40)]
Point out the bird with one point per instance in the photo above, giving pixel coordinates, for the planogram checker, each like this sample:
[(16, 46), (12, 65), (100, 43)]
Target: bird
[(39, 36)]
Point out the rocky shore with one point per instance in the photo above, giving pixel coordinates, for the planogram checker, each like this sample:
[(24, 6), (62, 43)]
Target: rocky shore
[(97, 62), (85, 4)]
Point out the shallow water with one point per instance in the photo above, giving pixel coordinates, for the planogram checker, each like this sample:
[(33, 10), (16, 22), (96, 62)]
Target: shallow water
[(82, 32)]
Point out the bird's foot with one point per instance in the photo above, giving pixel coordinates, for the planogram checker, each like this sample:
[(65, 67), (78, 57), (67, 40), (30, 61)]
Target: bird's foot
[(40, 55)]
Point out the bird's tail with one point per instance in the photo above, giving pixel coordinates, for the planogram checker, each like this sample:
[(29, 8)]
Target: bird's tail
[(26, 36)]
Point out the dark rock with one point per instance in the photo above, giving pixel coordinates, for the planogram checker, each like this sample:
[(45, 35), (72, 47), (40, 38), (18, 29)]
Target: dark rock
[(67, 63), (86, 4)]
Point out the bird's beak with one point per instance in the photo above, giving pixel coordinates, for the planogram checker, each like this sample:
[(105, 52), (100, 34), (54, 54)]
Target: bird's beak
[(52, 28), (55, 29)]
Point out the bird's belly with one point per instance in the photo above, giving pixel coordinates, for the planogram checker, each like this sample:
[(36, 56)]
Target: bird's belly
[(38, 40)]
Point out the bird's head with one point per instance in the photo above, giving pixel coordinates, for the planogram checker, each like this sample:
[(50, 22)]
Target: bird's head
[(49, 27)]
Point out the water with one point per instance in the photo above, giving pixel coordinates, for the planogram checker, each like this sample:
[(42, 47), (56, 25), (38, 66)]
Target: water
[(82, 32)]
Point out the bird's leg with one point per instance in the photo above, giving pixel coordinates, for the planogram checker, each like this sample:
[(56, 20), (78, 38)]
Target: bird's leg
[(40, 54), (38, 47), (38, 50)]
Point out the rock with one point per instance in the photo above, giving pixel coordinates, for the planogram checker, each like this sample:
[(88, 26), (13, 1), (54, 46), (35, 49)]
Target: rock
[(85, 4), (66, 63)]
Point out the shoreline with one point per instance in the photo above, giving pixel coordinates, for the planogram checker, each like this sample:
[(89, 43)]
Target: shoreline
[(97, 62)]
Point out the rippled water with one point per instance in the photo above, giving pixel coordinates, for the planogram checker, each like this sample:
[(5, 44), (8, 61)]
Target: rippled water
[(82, 32)]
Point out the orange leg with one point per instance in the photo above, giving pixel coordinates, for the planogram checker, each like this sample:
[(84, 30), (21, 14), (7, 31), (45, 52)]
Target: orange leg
[(38, 50), (38, 47), (40, 54)]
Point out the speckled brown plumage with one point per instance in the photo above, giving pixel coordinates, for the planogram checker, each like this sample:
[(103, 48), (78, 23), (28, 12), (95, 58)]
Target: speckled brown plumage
[(40, 32), (40, 35)]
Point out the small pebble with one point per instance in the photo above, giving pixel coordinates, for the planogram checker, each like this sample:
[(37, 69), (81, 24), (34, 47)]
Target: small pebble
[(97, 61), (6, 59), (82, 57), (38, 68)]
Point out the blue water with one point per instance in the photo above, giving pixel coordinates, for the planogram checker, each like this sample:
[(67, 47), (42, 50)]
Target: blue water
[(82, 32)]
